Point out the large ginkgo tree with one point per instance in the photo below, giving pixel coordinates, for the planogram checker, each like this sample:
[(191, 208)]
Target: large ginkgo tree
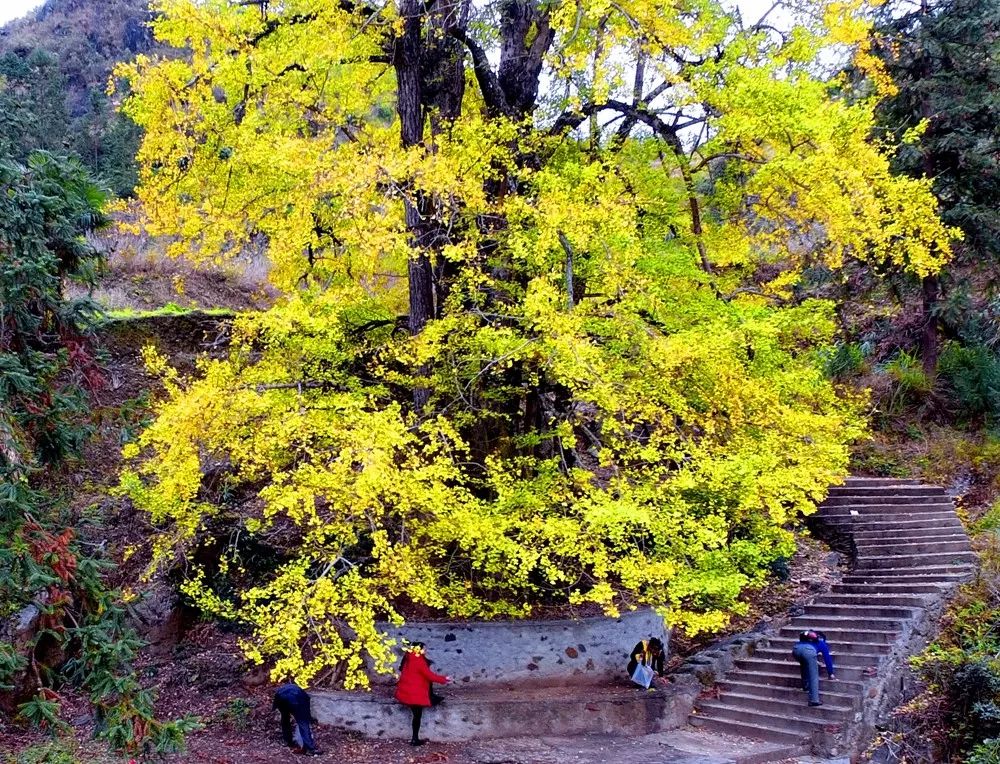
[(541, 340)]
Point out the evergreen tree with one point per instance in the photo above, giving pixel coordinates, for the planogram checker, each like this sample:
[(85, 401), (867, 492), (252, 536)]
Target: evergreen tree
[(32, 104), (944, 57)]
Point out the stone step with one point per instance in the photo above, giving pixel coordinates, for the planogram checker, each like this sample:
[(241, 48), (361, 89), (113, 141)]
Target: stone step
[(803, 723), (910, 536), (887, 549), (945, 577), (789, 709), (841, 636), (735, 750), (859, 611), (885, 490), (862, 480), (854, 523), (838, 700), (888, 502), (951, 529), (867, 598), (848, 642), (840, 657), (793, 679), (890, 588), (916, 561), (861, 626), (886, 499), (882, 508), (913, 536), (751, 731), (790, 668)]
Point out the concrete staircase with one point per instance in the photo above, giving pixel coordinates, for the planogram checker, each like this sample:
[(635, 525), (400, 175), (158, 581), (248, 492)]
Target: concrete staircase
[(909, 550)]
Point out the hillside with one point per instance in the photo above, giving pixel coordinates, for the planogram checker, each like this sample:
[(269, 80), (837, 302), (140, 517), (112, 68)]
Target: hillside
[(88, 38), (55, 65)]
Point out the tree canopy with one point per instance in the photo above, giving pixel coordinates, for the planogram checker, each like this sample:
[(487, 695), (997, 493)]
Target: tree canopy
[(942, 57), (541, 340)]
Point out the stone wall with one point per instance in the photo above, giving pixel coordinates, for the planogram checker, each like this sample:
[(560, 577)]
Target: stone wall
[(484, 713), (582, 651)]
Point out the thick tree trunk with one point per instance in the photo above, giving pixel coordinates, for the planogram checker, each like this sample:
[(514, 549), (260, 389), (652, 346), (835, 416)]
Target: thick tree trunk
[(443, 87), (930, 339), (430, 79), (411, 121), (525, 37), (406, 61)]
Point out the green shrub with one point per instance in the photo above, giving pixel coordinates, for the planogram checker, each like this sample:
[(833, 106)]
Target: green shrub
[(987, 752), (970, 376), (909, 383), (846, 360), (990, 521), (237, 713), (868, 459), (47, 372), (54, 752)]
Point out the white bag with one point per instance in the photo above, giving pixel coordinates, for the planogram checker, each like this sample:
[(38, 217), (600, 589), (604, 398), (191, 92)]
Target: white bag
[(643, 676)]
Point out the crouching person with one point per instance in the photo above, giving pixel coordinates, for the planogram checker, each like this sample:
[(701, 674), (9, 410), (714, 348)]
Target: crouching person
[(805, 653), (649, 653), (292, 701)]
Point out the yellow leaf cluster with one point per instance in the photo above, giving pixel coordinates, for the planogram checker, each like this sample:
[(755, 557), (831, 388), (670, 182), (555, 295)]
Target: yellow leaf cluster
[(611, 410)]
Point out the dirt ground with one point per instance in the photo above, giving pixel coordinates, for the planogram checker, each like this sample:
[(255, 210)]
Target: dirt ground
[(204, 675), (255, 739)]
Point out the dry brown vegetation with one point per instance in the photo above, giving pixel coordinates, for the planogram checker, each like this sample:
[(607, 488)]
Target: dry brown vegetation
[(140, 277)]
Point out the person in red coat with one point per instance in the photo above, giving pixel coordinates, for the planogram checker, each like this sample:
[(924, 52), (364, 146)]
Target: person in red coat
[(414, 688)]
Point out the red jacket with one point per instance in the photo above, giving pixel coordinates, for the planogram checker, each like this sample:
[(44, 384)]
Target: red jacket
[(415, 677)]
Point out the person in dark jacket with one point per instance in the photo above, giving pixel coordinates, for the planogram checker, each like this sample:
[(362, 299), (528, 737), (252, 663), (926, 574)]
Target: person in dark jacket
[(291, 700), (806, 653), (648, 652), (822, 648), (414, 688)]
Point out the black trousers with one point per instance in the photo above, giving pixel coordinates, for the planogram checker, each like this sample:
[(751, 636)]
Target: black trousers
[(418, 715), (303, 716)]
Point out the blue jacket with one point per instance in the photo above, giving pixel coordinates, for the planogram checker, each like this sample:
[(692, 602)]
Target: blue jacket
[(291, 697), (824, 649)]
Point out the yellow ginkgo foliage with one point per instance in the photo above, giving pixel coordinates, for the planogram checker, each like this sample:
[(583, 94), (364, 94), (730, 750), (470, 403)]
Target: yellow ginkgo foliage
[(541, 339)]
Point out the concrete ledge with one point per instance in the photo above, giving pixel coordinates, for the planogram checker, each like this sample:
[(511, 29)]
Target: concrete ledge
[(499, 712)]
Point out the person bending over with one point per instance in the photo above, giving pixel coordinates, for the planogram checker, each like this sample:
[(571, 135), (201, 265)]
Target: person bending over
[(806, 654), (291, 700)]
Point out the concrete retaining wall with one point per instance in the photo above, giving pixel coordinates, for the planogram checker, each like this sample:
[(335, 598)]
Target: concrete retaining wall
[(478, 714), (583, 651)]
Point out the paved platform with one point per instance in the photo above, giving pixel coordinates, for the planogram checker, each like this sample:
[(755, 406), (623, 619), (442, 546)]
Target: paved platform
[(679, 746)]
